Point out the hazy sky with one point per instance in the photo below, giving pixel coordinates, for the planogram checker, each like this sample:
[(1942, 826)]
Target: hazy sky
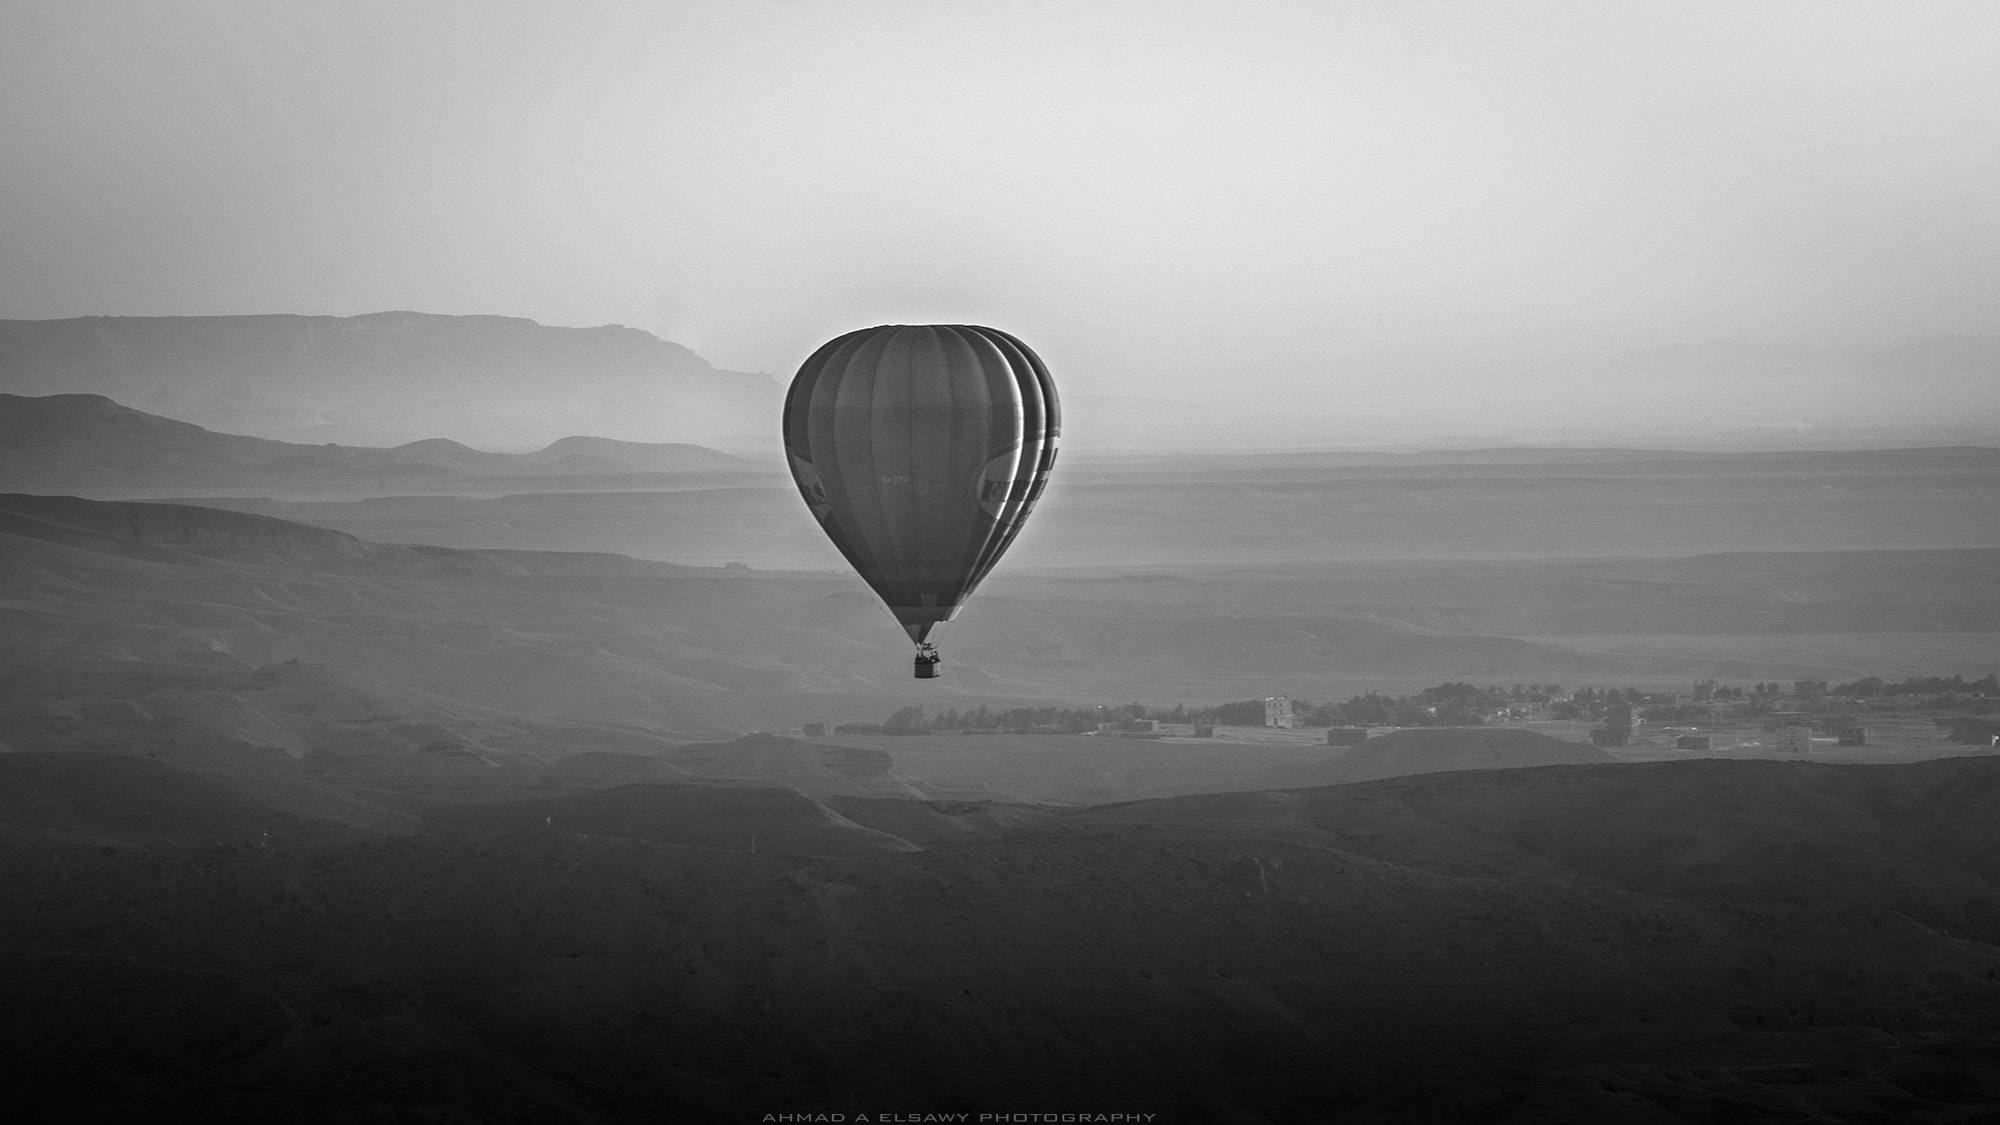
[(1234, 200)]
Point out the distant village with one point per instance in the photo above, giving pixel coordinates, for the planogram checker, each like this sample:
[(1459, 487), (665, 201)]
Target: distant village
[(1782, 718)]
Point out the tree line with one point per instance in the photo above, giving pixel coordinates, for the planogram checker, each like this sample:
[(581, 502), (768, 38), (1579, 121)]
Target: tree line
[(1445, 705), (1870, 686), (1455, 704)]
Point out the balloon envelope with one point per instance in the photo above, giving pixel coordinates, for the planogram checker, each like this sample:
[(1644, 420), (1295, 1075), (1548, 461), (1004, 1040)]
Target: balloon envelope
[(921, 449)]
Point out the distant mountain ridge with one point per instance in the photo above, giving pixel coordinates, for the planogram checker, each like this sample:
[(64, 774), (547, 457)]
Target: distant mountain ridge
[(199, 354), (486, 380), (79, 441)]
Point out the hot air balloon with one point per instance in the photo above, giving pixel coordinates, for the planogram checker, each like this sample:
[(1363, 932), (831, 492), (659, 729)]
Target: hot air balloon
[(921, 449)]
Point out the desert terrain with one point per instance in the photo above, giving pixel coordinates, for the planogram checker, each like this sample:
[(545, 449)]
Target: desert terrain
[(1485, 520), (368, 782)]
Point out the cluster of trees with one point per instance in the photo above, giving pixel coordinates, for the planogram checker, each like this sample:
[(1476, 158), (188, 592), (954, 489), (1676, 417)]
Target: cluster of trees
[(1870, 686), (1595, 698), (1039, 720), (1592, 702), (1446, 705)]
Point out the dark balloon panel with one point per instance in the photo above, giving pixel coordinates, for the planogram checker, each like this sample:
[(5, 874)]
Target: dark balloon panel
[(921, 449)]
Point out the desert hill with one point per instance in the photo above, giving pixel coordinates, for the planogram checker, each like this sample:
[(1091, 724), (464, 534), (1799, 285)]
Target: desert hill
[(815, 769), (1075, 770), (1438, 750), (475, 379), (69, 800), (223, 638), (91, 443), (92, 525), (264, 722), (147, 621), (746, 818), (1918, 839), (660, 500), (1054, 636), (1500, 504), (1183, 581), (600, 768), (1705, 939), (934, 824)]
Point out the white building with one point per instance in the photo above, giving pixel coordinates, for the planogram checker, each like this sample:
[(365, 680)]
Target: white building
[(1278, 711)]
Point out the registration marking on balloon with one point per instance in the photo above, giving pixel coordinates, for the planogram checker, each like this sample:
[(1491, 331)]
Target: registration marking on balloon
[(1007, 497), (811, 488)]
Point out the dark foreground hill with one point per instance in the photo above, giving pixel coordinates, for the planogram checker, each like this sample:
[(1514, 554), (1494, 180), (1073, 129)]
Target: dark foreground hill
[(54, 802), (734, 818), (1698, 940)]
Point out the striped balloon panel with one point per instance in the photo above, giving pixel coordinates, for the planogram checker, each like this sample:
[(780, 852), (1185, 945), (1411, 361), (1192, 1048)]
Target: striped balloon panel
[(921, 449)]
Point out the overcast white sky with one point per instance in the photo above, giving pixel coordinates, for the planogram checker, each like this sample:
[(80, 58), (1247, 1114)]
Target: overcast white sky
[(1240, 200)]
